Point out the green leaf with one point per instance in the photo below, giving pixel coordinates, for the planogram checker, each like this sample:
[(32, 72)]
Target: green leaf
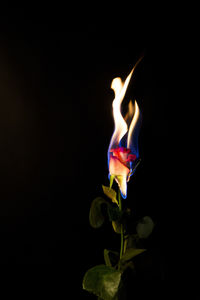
[(96, 217), (107, 258), (112, 177), (103, 281), (116, 226), (114, 213), (111, 257), (110, 193), (124, 265), (115, 216), (131, 241), (145, 227), (131, 252)]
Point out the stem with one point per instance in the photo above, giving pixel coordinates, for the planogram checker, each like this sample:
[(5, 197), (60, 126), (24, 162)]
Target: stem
[(122, 228)]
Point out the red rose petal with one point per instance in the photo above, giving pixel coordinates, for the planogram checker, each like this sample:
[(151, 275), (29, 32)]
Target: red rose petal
[(131, 157)]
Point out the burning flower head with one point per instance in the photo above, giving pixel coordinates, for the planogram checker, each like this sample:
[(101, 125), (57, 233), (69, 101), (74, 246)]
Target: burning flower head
[(123, 149)]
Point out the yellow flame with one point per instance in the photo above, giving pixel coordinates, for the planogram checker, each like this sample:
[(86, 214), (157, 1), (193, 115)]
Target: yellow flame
[(133, 122), (119, 87), (120, 125), (117, 165)]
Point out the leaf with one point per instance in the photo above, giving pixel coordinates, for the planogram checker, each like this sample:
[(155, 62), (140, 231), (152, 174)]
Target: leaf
[(124, 265), (114, 213), (103, 281), (111, 257), (116, 226), (110, 193), (107, 258), (131, 241), (145, 227), (96, 217), (112, 177), (125, 261), (131, 252)]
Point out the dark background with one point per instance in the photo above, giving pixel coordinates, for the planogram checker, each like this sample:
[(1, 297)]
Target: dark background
[(55, 127)]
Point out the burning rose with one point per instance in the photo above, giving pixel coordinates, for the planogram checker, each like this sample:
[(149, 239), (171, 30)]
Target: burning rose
[(119, 166), (107, 281), (121, 160)]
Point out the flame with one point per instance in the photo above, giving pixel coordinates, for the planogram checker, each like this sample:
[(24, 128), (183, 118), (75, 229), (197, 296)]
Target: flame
[(121, 158), (121, 127), (133, 122)]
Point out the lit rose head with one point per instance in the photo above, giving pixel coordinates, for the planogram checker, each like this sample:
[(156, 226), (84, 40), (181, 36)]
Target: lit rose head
[(123, 149)]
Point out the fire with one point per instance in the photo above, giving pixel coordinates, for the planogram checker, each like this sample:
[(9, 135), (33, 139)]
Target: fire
[(121, 127), (133, 122), (122, 157)]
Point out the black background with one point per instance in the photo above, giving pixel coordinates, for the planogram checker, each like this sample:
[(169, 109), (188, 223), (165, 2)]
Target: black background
[(56, 123)]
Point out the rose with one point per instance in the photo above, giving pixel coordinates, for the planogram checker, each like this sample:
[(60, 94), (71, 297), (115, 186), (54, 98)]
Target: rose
[(120, 161)]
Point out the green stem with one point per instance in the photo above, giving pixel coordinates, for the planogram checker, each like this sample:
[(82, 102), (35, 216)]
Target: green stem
[(122, 228)]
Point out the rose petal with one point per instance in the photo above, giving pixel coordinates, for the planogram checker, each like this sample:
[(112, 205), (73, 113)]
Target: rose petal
[(117, 168), (121, 153), (120, 149), (122, 183), (131, 157)]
